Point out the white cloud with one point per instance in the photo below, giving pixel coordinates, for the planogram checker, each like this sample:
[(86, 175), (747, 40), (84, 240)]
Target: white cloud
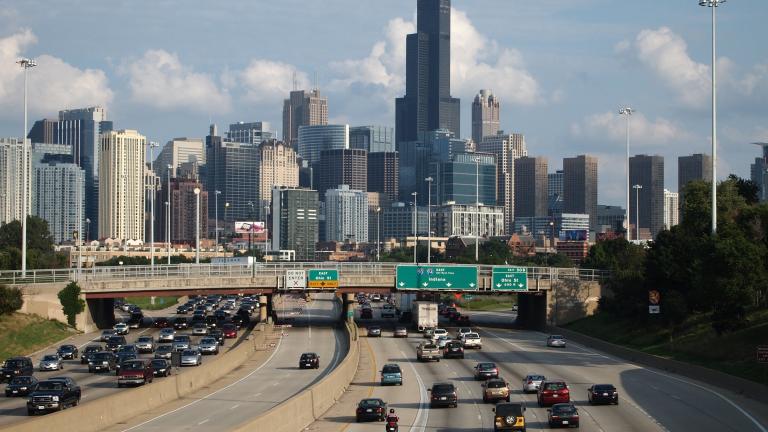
[(610, 127), (53, 84), (159, 79), (269, 82)]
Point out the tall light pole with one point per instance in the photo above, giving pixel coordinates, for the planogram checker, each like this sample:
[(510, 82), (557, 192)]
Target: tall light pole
[(714, 5), (25, 64), (415, 226), (627, 112), (378, 233), (168, 213), (226, 207), (216, 216), (87, 228), (477, 209), (429, 181), (152, 146), (266, 232), (637, 188), (197, 225)]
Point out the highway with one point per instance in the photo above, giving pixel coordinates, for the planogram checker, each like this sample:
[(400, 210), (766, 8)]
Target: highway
[(649, 400), (254, 391)]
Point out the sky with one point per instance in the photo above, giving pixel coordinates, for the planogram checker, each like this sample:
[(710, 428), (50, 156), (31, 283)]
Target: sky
[(561, 69)]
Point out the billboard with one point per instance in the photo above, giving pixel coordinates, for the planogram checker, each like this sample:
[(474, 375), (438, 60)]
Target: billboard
[(574, 235), (249, 227)]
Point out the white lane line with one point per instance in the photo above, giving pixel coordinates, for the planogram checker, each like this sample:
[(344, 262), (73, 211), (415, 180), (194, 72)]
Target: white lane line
[(203, 422), (277, 348), (422, 415), (256, 394), (233, 407)]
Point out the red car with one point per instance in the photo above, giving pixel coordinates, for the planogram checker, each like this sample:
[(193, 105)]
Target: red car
[(553, 392), (229, 330)]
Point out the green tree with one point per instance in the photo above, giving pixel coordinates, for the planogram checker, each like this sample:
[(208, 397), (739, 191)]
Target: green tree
[(746, 188), (38, 236), (71, 303), (10, 300)]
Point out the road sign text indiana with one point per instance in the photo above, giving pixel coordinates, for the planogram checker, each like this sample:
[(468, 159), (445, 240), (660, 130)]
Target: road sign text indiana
[(322, 278), (510, 278), (436, 277)]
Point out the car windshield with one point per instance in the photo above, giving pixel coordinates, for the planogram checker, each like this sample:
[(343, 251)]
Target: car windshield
[(555, 337), (443, 388), (390, 369), (166, 331), (368, 403), (453, 344), (126, 356), (13, 364), (116, 339), (163, 348), (472, 336), (604, 388), (133, 365), (504, 410), (374, 328), (50, 385), (182, 338), (93, 348), (50, 357), (307, 356), (67, 348), (21, 380), (486, 366), (102, 356), (554, 386), (464, 330), (496, 384), (536, 377), (187, 353), (563, 409), (145, 339)]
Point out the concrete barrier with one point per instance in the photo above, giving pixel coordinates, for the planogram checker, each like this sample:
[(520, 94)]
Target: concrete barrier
[(101, 413), (708, 376), (300, 411)]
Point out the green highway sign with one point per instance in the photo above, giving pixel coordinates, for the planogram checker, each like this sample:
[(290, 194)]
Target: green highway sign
[(436, 277), (510, 278), (317, 278)]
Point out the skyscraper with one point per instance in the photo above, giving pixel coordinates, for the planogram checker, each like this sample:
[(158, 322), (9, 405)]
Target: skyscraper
[(694, 167), (314, 139), (295, 221), (303, 109), (341, 167), (277, 168), (485, 115), (121, 185), (759, 173), (250, 133), (580, 187), (346, 215), (648, 172), (462, 180), (383, 169), (11, 178), (531, 186), (59, 189), (506, 148), (427, 104), (176, 152), (372, 139), (671, 209)]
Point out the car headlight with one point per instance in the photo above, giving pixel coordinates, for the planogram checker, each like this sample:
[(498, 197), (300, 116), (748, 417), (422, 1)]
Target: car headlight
[(55, 398), (22, 388), (510, 419)]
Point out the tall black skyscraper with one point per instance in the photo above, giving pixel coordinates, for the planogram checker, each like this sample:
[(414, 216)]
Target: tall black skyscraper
[(427, 104)]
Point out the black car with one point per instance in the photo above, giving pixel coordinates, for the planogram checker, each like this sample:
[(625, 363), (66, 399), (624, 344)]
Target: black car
[(16, 366), (183, 309), (102, 361), (180, 323), (371, 409), (563, 414), (374, 331), (211, 321), (239, 321), (21, 386), (161, 322), (67, 352), (88, 352), (53, 394), (443, 394), (124, 357), (309, 361), (115, 342), (218, 335), (602, 393), (162, 367), (453, 349)]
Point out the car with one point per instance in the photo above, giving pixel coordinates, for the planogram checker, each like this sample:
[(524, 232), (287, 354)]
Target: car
[(218, 335), (553, 392), (208, 345), (183, 309), (180, 323), (229, 330), (428, 332), (161, 367), (391, 374), (388, 311), (374, 331), (89, 351), (67, 352), (563, 414), (371, 409), (191, 357), (200, 329), (16, 366), (145, 344), (602, 393), (472, 340), (496, 389), (164, 352), (135, 321), (454, 316), (428, 351), (166, 335), (161, 322), (448, 311), (115, 342), (128, 349), (182, 342), (121, 329), (462, 320), (443, 394), (453, 349), (122, 358), (514, 308), (462, 331), (439, 332), (509, 417), (376, 297), (366, 313), (102, 361), (127, 306), (137, 371), (400, 332), (309, 360), (211, 321), (556, 341), (441, 341), (53, 395), (50, 362), (486, 370), (532, 382), (106, 334), (239, 321), (21, 386)]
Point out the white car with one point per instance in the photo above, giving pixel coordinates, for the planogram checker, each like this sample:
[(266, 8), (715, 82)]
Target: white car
[(532, 382), (166, 335), (472, 340), (51, 362), (462, 331), (439, 332), (556, 341)]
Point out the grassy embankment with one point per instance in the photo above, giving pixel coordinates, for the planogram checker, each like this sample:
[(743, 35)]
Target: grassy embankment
[(145, 303), (22, 334), (693, 342), (487, 303)]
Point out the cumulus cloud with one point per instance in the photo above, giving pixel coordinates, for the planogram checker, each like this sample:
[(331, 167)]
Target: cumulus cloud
[(268, 81), (53, 84), (610, 127), (159, 79)]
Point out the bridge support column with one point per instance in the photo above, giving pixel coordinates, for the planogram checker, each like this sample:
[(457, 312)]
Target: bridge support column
[(349, 307), (263, 303)]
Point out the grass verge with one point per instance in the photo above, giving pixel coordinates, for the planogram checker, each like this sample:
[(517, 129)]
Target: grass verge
[(694, 342), (22, 334), (145, 303), (485, 303)]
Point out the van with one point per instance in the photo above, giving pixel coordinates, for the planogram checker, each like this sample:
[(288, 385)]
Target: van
[(16, 366), (391, 374)]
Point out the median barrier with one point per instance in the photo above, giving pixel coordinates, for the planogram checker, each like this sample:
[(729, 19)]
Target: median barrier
[(101, 413)]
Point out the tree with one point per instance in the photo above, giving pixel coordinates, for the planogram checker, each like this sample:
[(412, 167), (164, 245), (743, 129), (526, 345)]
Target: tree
[(71, 303), (10, 300), (746, 188), (38, 235)]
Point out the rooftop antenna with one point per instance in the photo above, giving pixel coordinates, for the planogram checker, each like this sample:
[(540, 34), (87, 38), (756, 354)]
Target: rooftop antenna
[(316, 81), (295, 83)]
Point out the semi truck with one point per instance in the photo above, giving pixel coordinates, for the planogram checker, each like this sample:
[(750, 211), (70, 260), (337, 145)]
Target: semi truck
[(425, 314)]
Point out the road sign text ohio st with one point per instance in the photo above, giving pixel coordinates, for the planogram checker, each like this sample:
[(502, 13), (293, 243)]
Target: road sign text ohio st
[(510, 278), (317, 278), (436, 277)]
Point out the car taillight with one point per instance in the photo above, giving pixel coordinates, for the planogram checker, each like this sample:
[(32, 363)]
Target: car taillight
[(555, 417), (378, 409), (530, 382)]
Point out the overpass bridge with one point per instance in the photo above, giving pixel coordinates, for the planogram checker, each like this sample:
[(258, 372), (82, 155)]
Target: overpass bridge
[(553, 295)]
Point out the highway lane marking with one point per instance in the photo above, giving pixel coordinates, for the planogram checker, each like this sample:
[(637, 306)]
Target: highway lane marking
[(203, 422), (277, 349), (422, 415), (256, 394), (233, 407)]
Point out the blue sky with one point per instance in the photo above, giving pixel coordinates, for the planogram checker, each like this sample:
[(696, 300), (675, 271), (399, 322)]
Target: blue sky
[(560, 68)]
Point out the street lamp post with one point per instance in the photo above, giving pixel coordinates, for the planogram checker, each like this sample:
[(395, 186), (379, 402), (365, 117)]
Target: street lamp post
[(637, 188), (415, 226), (226, 207), (378, 233), (714, 5), (429, 181), (197, 225), (152, 146), (168, 214), (266, 231), (25, 64), (216, 216), (87, 229), (477, 209), (627, 112)]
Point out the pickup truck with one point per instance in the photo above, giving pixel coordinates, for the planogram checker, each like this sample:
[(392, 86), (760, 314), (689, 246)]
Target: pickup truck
[(53, 394), (472, 340), (427, 351)]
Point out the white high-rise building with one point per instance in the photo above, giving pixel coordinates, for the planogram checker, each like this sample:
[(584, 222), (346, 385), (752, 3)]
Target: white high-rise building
[(176, 152), (121, 189), (346, 215), (11, 180), (60, 199), (506, 148), (462, 220), (277, 168), (671, 209), (485, 115)]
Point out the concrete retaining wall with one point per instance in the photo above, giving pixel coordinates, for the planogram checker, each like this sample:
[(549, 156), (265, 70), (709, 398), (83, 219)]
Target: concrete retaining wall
[(300, 411), (101, 413), (712, 377)]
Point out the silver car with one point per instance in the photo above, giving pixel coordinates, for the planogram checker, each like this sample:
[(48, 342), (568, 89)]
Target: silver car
[(121, 329), (531, 383), (164, 352), (209, 345), (167, 335), (106, 334), (556, 341), (401, 332), (200, 329), (145, 344), (51, 362), (182, 342), (191, 357)]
